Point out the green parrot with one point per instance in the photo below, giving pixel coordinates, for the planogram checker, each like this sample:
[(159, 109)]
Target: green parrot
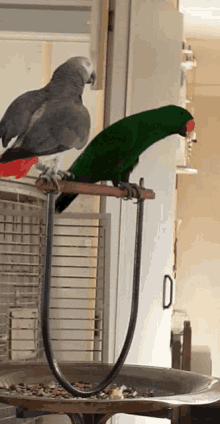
[(115, 151)]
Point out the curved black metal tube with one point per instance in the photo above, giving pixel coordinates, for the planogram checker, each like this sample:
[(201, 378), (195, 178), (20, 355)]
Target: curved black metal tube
[(46, 301)]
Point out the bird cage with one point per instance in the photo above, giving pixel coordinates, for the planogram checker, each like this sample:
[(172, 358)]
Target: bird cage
[(79, 284)]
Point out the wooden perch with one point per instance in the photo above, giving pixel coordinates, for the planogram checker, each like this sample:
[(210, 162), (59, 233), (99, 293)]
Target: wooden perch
[(72, 187)]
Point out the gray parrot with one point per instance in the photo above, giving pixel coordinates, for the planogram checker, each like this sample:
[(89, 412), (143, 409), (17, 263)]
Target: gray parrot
[(50, 120)]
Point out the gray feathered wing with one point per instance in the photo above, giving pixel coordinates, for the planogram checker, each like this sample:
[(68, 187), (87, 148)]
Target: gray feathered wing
[(56, 126), (17, 117)]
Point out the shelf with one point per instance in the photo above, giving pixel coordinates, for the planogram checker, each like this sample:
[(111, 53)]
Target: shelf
[(185, 51), (64, 3), (188, 65), (186, 170)]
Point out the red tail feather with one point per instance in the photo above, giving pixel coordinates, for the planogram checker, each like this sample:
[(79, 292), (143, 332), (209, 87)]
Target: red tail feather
[(18, 168)]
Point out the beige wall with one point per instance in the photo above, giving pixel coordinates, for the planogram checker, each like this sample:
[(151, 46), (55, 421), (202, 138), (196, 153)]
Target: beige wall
[(198, 254)]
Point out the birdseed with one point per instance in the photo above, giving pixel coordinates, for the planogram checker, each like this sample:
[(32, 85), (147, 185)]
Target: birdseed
[(54, 390)]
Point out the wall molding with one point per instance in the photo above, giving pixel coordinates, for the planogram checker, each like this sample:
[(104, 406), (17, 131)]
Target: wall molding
[(38, 36)]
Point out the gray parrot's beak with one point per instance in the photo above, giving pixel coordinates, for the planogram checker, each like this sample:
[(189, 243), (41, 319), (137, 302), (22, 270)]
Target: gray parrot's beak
[(92, 78)]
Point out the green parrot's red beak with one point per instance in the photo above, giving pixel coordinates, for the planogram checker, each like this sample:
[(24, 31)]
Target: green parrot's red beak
[(190, 125)]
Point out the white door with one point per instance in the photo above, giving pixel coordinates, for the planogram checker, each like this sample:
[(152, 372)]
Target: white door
[(151, 79)]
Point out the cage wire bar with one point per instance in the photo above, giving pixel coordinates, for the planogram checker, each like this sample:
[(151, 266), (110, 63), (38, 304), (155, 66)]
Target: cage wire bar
[(84, 284), (79, 320), (21, 221)]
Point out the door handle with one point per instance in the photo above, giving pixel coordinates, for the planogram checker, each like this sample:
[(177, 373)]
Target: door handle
[(164, 291)]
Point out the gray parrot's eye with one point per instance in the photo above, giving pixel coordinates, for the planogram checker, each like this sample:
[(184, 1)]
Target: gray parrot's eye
[(88, 64)]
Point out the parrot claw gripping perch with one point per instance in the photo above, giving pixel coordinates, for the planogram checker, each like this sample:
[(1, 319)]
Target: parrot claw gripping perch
[(50, 175), (131, 187), (64, 174)]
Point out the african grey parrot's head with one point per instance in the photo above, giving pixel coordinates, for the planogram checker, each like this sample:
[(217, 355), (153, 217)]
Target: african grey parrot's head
[(85, 67), (74, 70)]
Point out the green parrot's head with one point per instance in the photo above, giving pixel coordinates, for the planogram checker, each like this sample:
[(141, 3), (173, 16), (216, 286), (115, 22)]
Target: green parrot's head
[(179, 120)]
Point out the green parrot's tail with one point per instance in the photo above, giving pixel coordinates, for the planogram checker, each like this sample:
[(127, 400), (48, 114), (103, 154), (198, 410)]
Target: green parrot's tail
[(63, 201)]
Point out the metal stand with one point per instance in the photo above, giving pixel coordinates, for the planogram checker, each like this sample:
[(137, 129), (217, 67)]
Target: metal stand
[(75, 418), (46, 300), (90, 418)]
